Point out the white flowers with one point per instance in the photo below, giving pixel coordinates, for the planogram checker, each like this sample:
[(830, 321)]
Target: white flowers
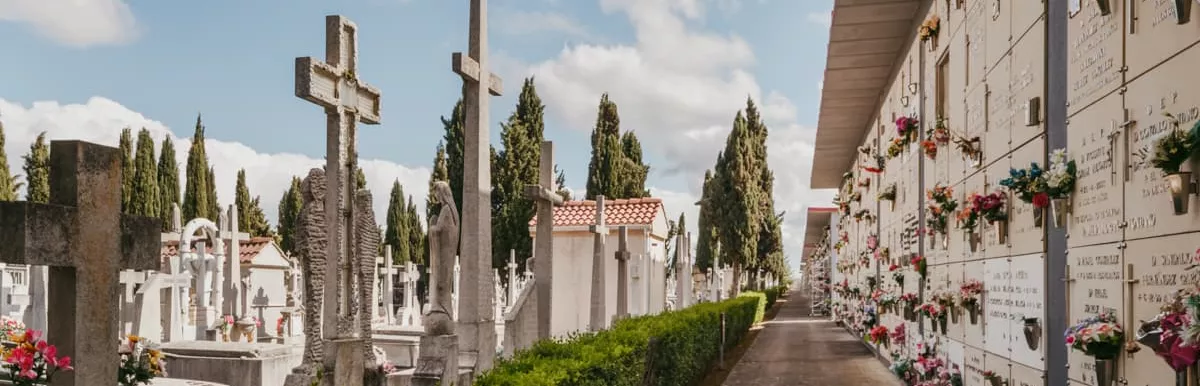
[(1060, 175)]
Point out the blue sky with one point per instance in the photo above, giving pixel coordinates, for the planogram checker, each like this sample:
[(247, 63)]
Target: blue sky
[(678, 69)]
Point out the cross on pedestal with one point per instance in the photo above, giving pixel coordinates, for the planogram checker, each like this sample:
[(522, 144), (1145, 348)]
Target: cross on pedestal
[(176, 281), (335, 86), (389, 285), (543, 247), (512, 278), (622, 256), (83, 237), (599, 295), (476, 329)]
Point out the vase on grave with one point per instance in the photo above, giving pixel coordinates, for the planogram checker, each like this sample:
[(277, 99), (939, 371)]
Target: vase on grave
[(953, 315), (1039, 216), (942, 324), (1106, 371), (1000, 227), (247, 326), (1061, 207), (1187, 377), (973, 241), (1033, 333), (1180, 186), (973, 313), (1183, 11)]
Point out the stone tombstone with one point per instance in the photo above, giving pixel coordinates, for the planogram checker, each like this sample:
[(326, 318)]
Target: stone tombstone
[(1026, 376), (203, 267), (74, 236), (1096, 144), (310, 248), (1094, 63), (997, 309), (1094, 285), (622, 256), (1160, 268), (439, 346), (130, 281), (1155, 34), (1027, 290), (1148, 98)]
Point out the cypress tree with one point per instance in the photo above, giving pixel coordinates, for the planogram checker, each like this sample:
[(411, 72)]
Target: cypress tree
[(634, 171), (195, 194), (454, 147), (256, 220), (706, 237), (127, 168), (602, 178), (440, 173), (8, 182), (739, 206), (397, 231), (144, 199), (37, 170), (416, 234), (360, 179), (168, 181), (516, 166), (560, 181), (214, 207), (289, 209)]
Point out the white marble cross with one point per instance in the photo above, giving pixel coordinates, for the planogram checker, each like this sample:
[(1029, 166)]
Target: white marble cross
[(177, 282), (599, 295), (511, 296), (334, 85)]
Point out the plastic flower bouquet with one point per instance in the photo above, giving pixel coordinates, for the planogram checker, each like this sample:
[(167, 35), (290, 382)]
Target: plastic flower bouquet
[(919, 264), (33, 361), (1098, 336), (140, 364), (10, 326), (906, 128), (878, 335), (990, 206), (1060, 179)]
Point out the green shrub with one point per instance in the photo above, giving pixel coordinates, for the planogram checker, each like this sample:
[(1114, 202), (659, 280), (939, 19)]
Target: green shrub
[(760, 310), (686, 342)]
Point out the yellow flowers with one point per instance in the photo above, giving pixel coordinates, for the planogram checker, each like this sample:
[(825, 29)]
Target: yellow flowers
[(930, 27)]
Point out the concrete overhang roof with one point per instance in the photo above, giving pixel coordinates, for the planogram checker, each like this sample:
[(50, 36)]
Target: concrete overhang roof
[(814, 226), (866, 40)]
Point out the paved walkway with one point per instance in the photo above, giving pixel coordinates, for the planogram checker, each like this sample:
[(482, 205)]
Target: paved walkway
[(798, 350)]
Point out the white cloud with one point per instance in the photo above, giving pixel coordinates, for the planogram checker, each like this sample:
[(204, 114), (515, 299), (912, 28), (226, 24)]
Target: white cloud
[(74, 23), (268, 175), (538, 22), (679, 88), (824, 19)]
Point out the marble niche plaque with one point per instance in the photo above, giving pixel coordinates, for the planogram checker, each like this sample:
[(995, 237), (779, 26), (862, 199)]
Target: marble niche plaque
[(1028, 301), (997, 306), (997, 364), (1095, 285), (975, 365), (997, 140), (1027, 83), (1094, 63), (952, 351), (1026, 376), (1025, 233), (976, 126), (1148, 98), (973, 334), (1096, 144), (1160, 265), (974, 184), (1157, 34), (1023, 19), (991, 243), (975, 26), (954, 282), (998, 17)]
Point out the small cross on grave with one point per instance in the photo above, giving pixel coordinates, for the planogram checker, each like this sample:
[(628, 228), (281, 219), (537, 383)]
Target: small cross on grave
[(543, 249), (512, 277), (599, 293), (389, 285), (622, 256), (177, 281), (334, 85), (83, 237), (130, 281)]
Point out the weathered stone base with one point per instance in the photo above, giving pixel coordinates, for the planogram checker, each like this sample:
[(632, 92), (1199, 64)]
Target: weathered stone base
[(401, 344), (438, 361), (350, 360), (249, 364)]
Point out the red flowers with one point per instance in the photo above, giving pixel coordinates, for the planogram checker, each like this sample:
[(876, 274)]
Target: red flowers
[(893, 268), (33, 361), (1041, 200)]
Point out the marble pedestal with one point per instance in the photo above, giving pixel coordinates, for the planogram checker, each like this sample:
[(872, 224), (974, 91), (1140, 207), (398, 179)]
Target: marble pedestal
[(438, 360)]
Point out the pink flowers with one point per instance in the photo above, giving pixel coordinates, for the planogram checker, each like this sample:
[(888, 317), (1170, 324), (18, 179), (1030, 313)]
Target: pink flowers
[(906, 127), (33, 361)]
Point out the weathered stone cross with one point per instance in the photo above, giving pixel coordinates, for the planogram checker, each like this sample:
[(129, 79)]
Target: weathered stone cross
[(599, 274), (176, 281), (622, 256), (544, 194), (83, 237), (477, 331), (335, 86), (511, 296)]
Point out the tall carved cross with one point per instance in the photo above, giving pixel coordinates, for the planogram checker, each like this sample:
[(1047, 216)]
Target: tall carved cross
[(543, 247), (334, 85), (599, 293), (83, 237), (477, 330), (622, 256)]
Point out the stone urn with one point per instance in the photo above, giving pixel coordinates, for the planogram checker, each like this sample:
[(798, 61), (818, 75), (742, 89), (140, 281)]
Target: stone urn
[(1181, 187), (1033, 333), (247, 325)]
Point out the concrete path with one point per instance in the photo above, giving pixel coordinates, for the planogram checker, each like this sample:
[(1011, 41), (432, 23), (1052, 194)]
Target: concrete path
[(798, 350)]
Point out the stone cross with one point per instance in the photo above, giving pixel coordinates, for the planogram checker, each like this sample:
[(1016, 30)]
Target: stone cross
[(547, 198), (681, 271), (175, 280), (599, 275), (410, 284), (83, 237), (389, 285), (512, 277), (201, 265), (622, 256), (478, 332), (130, 281), (334, 85)]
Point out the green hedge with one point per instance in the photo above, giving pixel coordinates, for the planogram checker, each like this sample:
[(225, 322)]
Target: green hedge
[(687, 343)]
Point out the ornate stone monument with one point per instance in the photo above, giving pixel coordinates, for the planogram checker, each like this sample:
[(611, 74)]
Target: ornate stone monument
[(439, 346)]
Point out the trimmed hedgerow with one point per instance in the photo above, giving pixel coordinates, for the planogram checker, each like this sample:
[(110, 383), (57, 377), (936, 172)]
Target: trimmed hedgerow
[(686, 342)]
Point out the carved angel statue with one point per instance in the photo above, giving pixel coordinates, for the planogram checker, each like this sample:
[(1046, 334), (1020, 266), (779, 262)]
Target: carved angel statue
[(443, 242)]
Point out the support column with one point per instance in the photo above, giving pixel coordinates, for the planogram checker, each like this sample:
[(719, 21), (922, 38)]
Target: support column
[(1056, 137)]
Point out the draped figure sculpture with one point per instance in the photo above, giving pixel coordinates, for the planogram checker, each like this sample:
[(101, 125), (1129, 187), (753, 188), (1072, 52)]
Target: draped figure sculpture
[(443, 245)]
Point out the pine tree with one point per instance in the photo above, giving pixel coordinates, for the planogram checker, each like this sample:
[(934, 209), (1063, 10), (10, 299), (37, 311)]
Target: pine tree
[(289, 209), (440, 173), (706, 236), (397, 224), (454, 147), (144, 199), (37, 170), (168, 181), (8, 182), (195, 195), (127, 168), (214, 207)]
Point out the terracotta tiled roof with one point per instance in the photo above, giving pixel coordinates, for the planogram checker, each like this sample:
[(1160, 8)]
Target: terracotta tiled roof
[(248, 250), (634, 211)]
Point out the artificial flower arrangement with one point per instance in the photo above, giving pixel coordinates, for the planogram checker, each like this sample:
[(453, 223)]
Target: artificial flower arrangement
[(906, 129), (279, 326), (225, 325), (992, 377), (140, 363), (942, 204), (864, 259), (872, 283), (896, 147), (1099, 337), (887, 301), (843, 204), (969, 295), (865, 183), (939, 133), (935, 313), (926, 370), (872, 242), (930, 148), (878, 167), (888, 193), (863, 215), (856, 196), (1060, 184), (878, 336), (10, 326), (897, 275), (970, 148), (883, 254), (32, 361), (908, 302), (1170, 153), (898, 336), (1165, 334), (929, 29), (991, 207), (947, 300), (919, 265), (1029, 186)]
